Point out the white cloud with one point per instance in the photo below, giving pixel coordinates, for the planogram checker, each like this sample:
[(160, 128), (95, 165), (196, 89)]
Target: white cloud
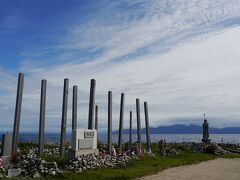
[(181, 56)]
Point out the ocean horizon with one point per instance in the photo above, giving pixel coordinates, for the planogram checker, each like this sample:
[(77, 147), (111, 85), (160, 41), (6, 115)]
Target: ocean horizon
[(170, 138)]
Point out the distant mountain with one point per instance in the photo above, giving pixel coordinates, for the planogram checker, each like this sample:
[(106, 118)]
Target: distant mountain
[(184, 129)]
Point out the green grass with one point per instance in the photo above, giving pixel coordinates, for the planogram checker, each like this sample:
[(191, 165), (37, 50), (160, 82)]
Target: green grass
[(142, 167), (137, 168)]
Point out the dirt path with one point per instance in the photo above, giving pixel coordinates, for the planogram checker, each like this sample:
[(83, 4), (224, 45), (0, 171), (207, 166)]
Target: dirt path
[(219, 169)]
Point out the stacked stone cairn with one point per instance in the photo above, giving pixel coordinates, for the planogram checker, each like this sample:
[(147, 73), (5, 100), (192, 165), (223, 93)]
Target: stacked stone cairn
[(93, 161), (33, 166), (166, 150)]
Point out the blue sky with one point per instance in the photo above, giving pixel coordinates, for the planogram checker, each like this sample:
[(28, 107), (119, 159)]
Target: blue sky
[(180, 56)]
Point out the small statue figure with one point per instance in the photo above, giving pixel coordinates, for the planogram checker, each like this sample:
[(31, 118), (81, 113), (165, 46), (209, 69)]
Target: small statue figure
[(162, 147), (113, 151), (205, 131)]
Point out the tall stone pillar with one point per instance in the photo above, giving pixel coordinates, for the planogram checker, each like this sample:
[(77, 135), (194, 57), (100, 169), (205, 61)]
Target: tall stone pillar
[(109, 122), (64, 118), (138, 123), (96, 117), (91, 103), (42, 116), (120, 138), (130, 131), (17, 112), (74, 108), (147, 127)]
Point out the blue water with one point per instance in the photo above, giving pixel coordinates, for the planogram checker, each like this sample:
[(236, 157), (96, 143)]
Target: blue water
[(225, 138)]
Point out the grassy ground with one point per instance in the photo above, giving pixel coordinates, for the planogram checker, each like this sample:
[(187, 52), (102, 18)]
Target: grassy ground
[(142, 167), (137, 168)]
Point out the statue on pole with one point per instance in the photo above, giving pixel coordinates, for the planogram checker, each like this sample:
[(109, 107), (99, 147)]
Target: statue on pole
[(205, 128)]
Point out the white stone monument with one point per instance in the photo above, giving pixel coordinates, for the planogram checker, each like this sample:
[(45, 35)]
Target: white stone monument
[(84, 141)]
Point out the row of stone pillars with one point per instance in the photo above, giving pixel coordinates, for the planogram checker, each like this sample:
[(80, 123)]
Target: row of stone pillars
[(43, 112), (92, 107), (121, 120)]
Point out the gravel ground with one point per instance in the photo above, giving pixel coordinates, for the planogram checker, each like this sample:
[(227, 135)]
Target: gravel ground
[(219, 169)]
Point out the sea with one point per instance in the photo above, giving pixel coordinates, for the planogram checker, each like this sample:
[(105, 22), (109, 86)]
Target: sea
[(170, 138)]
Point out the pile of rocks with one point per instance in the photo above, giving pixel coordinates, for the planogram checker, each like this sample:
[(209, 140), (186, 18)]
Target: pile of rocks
[(197, 147), (213, 148), (2, 169), (51, 151), (32, 166), (166, 150), (92, 161)]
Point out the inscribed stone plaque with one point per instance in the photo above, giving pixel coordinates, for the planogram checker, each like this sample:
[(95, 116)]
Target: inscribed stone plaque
[(85, 143), (14, 172), (88, 134)]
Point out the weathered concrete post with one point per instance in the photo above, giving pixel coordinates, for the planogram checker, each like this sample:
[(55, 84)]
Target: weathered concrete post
[(109, 122), (138, 123), (130, 132), (96, 117), (42, 116), (64, 118), (147, 127), (74, 108), (91, 104), (17, 112), (6, 145), (120, 138)]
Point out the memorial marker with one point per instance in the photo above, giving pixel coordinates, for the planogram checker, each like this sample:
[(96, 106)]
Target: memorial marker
[(17, 112), (147, 127), (74, 107), (205, 128), (130, 132), (138, 123), (96, 117), (64, 118), (109, 147), (91, 104), (6, 149), (121, 118), (42, 116)]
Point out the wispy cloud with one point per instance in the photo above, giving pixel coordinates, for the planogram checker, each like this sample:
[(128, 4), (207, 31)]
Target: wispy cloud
[(181, 56)]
